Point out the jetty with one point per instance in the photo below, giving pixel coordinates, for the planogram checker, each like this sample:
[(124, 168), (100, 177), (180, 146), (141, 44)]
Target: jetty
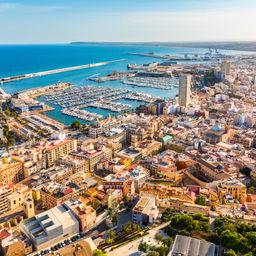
[(54, 71)]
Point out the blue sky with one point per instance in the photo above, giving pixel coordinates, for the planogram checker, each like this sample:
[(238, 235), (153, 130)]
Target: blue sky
[(63, 21)]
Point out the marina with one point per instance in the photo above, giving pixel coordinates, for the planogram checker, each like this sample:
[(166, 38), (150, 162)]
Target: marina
[(158, 83)]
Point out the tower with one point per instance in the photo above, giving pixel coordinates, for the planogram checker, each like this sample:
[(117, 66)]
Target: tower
[(184, 90), (225, 70), (29, 208)]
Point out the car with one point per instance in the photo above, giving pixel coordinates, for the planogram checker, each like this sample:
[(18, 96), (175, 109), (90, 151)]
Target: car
[(42, 252), (56, 247), (78, 236), (63, 244), (53, 248)]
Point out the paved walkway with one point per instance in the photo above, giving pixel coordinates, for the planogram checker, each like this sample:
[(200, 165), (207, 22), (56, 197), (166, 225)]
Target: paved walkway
[(132, 248)]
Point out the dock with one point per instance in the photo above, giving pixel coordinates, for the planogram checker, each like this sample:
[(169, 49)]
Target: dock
[(54, 71)]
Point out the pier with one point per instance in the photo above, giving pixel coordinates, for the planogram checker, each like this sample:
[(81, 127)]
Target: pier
[(50, 72)]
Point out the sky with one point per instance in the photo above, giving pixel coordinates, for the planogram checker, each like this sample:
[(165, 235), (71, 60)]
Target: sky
[(64, 21)]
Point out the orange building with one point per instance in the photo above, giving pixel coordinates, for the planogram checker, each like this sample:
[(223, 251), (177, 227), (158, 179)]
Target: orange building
[(11, 171)]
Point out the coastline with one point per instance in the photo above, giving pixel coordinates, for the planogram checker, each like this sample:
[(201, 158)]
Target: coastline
[(235, 46)]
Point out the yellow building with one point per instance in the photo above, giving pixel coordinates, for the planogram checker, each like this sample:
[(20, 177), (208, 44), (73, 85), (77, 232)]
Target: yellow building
[(233, 187)]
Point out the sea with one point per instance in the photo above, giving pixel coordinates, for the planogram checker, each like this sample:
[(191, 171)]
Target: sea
[(25, 59)]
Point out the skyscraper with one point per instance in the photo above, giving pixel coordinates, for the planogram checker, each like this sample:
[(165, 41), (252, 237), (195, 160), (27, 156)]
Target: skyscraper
[(184, 90), (225, 70)]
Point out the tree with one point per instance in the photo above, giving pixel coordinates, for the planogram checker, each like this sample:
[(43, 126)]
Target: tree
[(126, 199), (159, 237), (115, 219), (109, 240), (110, 211), (99, 253), (229, 253), (200, 200), (76, 125), (246, 170), (251, 238), (143, 247), (111, 233), (153, 253), (168, 241)]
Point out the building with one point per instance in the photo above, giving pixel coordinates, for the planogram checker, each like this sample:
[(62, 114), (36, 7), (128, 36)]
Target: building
[(114, 198), (58, 148), (82, 248), (92, 156), (5, 191), (139, 175), (10, 246), (156, 108), (113, 182), (225, 70), (145, 211), (186, 246), (11, 171), (77, 164), (184, 90), (234, 187), (216, 134), (49, 227), (102, 126), (85, 215), (53, 194), (21, 198)]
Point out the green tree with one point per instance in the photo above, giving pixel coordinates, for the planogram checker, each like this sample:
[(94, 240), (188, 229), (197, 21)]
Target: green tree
[(200, 200), (109, 240), (115, 219), (76, 125), (126, 199), (168, 241), (99, 253), (143, 247), (229, 253), (153, 253), (251, 238), (159, 237), (111, 233), (110, 211)]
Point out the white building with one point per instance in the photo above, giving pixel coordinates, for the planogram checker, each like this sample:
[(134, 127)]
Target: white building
[(49, 227)]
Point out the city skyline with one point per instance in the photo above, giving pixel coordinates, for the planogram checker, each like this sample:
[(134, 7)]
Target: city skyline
[(27, 22)]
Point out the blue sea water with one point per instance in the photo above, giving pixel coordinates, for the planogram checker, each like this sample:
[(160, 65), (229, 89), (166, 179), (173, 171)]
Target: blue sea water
[(24, 59)]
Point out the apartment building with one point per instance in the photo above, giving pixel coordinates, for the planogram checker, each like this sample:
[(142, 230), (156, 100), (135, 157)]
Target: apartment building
[(93, 157), (85, 215), (102, 126), (58, 148), (5, 191), (145, 211), (77, 164), (11, 171)]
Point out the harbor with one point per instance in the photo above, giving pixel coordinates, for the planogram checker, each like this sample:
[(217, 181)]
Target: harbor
[(50, 72), (158, 83)]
